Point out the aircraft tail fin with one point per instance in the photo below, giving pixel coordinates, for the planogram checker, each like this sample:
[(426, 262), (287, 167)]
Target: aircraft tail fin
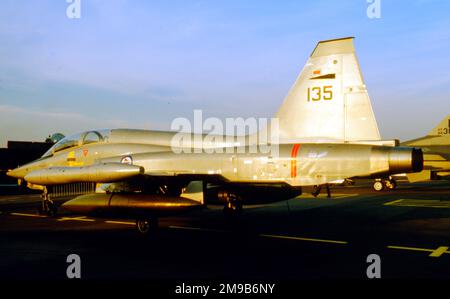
[(329, 100), (442, 129)]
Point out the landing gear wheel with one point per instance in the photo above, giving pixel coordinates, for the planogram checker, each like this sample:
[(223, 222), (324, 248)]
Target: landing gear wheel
[(316, 190), (390, 184), (349, 182), (145, 226), (47, 206), (48, 209), (52, 210), (378, 186), (233, 206)]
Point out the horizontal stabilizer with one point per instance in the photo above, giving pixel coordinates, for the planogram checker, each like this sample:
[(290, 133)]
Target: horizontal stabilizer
[(424, 175)]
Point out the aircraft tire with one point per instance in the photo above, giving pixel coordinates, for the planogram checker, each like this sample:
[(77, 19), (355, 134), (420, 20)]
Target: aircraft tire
[(391, 184), (52, 211), (147, 225), (378, 186), (233, 209)]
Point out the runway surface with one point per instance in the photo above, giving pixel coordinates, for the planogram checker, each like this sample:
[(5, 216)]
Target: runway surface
[(304, 238)]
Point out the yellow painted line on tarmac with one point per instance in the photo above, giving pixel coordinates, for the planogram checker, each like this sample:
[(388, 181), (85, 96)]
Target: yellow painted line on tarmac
[(120, 222), (29, 215), (438, 252), (410, 248), (197, 229), (81, 218), (393, 202), (324, 195), (185, 227), (420, 203), (304, 239)]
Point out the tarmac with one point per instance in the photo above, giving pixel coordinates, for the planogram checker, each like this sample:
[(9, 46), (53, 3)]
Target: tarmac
[(303, 239)]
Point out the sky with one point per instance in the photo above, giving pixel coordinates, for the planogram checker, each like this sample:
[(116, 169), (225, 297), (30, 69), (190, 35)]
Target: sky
[(142, 63)]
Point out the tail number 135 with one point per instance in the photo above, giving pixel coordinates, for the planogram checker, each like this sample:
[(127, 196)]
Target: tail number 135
[(320, 93)]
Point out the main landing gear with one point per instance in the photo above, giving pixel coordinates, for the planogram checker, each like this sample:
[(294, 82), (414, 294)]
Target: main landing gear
[(47, 206), (384, 184), (233, 203), (318, 188)]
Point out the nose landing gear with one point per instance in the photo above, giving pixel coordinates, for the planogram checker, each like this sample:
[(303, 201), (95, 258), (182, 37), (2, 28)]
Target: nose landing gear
[(47, 206)]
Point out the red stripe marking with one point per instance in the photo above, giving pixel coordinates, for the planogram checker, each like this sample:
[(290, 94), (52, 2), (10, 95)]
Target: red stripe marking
[(294, 153)]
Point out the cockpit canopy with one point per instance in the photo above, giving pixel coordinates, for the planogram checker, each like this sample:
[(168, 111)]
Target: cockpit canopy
[(98, 136)]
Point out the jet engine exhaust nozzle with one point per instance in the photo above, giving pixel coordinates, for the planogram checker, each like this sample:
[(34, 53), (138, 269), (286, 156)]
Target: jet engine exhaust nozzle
[(405, 159)]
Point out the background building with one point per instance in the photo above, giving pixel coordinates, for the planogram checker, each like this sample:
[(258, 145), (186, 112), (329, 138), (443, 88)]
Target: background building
[(19, 153)]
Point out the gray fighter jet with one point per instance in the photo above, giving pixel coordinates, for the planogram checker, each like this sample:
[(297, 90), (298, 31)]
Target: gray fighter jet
[(436, 153), (326, 130)]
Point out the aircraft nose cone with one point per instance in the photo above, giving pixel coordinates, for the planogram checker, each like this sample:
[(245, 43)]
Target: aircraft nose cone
[(17, 173), (11, 173)]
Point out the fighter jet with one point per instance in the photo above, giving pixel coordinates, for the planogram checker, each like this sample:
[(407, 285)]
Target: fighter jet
[(436, 153), (326, 128)]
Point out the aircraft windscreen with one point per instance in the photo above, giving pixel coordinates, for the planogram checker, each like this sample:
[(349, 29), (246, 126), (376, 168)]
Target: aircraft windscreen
[(78, 140)]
